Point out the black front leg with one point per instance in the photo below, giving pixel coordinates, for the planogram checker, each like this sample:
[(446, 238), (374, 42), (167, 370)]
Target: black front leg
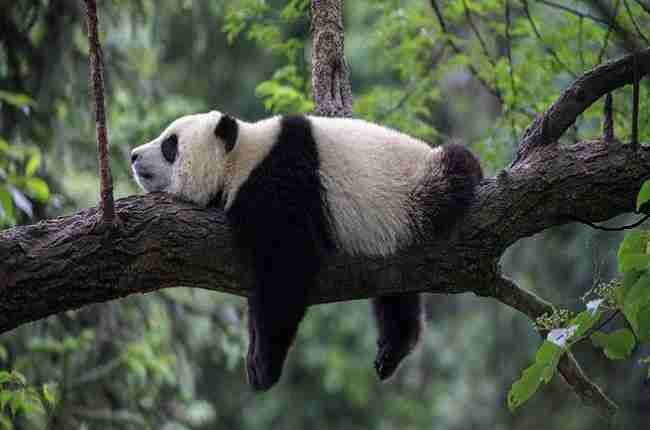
[(274, 314)]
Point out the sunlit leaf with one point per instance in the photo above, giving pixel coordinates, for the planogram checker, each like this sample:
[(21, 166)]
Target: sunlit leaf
[(6, 205), (49, 394), (33, 164), (546, 360), (644, 195), (16, 99), (38, 189)]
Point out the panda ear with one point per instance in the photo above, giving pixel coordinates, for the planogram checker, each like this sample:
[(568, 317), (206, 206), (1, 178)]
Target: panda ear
[(227, 130)]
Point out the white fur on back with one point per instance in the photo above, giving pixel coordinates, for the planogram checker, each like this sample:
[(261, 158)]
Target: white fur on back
[(369, 173)]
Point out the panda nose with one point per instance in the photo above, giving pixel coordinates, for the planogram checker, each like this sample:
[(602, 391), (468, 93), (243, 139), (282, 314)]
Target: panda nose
[(134, 157)]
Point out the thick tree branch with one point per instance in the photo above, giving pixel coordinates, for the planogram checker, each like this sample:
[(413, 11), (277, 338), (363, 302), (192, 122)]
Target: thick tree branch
[(581, 94), (65, 263)]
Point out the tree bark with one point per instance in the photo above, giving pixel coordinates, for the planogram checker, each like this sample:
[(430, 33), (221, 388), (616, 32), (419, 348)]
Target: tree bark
[(330, 74)]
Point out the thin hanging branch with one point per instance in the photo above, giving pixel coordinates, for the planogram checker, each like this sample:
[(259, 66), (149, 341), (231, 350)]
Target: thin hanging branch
[(494, 90), (635, 102), (608, 122), (97, 80), (635, 24)]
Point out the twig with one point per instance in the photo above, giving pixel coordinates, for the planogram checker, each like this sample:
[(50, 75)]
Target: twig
[(575, 12), (645, 6), (603, 47), (97, 79), (635, 102), (634, 23), (510, 71), (594, 329), (630, 42), (477, 33), (407, 94), (443, 26), (547, 48), (608, 122), (581, 43)]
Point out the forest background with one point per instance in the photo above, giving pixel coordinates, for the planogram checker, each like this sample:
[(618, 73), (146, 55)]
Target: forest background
[(474, 71)]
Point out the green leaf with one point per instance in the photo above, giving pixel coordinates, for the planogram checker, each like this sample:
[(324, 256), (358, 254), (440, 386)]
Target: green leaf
[(5, 396), (629, 279), (617, 345), (19, 377), (17, 401), (33, 164), (525, 387), (38, 189), (16, 99), (633, 252), (49, 394), (6, 205), (644, 195), (5, 376), (643, 319), (584, 321), (636, 305), (546, 360)]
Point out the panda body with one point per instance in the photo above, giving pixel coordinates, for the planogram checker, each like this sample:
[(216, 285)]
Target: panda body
[(296, 187), (368, 175)]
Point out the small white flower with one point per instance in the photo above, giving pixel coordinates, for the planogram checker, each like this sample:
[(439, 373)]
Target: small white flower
[(560, 336), (593, 305)]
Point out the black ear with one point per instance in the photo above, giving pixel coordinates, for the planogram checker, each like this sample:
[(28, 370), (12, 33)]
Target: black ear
[(227, 130)]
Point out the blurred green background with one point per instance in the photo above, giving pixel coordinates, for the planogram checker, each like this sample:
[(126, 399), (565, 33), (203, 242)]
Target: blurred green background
[(175, 359)]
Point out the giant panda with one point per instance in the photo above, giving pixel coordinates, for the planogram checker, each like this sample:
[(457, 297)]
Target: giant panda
[(295, 188)]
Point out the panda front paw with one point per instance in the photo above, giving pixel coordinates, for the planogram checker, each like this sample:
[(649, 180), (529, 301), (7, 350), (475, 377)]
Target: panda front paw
[(390, 355), (387, 361)]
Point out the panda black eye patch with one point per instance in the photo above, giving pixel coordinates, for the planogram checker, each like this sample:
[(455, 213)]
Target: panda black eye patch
[(169, 148)]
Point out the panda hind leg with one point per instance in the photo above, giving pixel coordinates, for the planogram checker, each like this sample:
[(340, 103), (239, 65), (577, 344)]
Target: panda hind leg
[(399, 322)]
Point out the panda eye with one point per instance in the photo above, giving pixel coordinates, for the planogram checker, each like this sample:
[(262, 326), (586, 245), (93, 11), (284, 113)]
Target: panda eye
[(170, 148)]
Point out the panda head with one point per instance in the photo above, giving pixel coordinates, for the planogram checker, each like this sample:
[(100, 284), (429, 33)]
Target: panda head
[(189, 159)]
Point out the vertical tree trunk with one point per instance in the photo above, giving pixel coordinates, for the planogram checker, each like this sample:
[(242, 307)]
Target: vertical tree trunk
[(330, 75)]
